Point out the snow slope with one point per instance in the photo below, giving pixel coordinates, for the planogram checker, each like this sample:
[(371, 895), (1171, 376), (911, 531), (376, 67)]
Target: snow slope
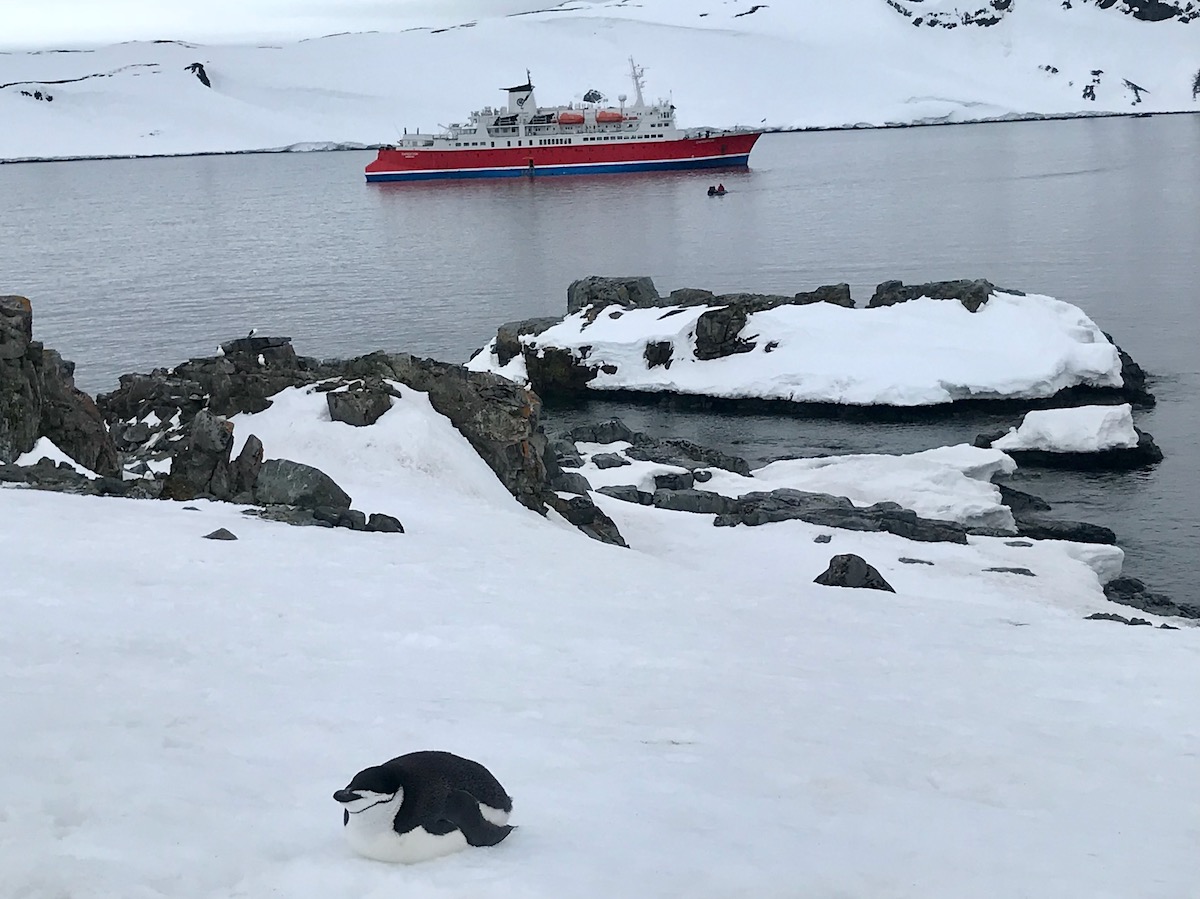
[(795, 64), (692, 717)]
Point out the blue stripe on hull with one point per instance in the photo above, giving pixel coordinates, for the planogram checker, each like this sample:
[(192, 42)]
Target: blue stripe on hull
[(596, 169)]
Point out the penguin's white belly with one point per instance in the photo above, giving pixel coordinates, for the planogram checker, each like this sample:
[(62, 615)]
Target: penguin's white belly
[(416, 845)]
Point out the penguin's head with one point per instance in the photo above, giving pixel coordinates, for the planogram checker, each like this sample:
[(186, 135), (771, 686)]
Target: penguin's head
[(370, 788)]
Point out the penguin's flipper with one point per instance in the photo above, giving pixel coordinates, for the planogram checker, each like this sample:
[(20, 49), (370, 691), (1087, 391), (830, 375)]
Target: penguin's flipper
[(463, 810)]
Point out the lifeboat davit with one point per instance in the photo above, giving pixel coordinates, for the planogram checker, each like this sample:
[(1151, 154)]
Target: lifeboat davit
[(570, 118), (609, 115)]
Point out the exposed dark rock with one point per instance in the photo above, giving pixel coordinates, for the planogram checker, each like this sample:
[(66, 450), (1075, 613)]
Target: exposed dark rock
[(201, 466), (509, 334), (611, 431), (823, 538), (600, 291), (221, 534), (283, 482), (718, 333), (38, 398), (384, 524), (1020, 503), (849, 570), (352, 519), (1006, 570), (838, 512), (658, 353), (907, 561), (690, 296), (1109, 616), (197, 69), (245, 468), (837, 294), (1129, 591), (972, 294), (553, 371), (362, 403), (588, 517), (571, 482), (62, 478), (628, 494), (1039, 528), (703, 502), (609, 460), (1022, 543), (566, 454), (674, 481)]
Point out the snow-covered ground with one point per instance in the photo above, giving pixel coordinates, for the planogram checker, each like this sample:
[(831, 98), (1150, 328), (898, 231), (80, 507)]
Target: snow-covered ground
[(910, 354), (691, 717), (794, 64), (1086, 429)]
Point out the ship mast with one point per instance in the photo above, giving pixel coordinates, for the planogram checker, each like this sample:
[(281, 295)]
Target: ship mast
[(638, 80)]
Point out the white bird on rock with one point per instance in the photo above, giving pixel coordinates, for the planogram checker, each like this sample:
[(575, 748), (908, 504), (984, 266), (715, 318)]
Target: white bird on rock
[(253, 331)]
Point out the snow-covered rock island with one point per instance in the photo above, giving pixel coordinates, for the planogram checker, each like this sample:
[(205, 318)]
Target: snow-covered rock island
[(781, 65), (912, 347), (1091, 437)]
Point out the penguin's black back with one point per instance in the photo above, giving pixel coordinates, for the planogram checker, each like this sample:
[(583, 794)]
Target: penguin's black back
[(429, 778)]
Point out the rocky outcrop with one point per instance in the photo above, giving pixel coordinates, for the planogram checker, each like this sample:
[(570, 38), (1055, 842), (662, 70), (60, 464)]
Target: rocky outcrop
[(849, 570), (672, 451), (821, 509), (588, 517), (1129, 591), (38, 398), (282, 482), (595, 290), (972, 294), (1027, 512), (509, 334), (63, 478), (1120, 458), (201, 465), (361, 403)]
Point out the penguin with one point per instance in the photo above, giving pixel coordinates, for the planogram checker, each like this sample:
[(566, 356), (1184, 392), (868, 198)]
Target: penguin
[(423, 805)]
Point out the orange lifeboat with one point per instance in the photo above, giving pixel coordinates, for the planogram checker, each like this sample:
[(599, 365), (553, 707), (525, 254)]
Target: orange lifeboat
[(570, 118), (605, 116)]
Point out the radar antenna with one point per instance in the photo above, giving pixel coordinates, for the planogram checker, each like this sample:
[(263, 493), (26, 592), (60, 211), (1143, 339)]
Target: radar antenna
[(639, 81)]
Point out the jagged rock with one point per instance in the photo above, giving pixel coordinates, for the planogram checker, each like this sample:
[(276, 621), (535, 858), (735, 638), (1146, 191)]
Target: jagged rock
[(509, 334), (838, 512), (595, 290), (62, 478), (611, 431), (553, 371), (1109, 616), (283, 482), (588, 517), (571, 482), (221, 534), (609, 460), (718, 333), (352, 519), (823, 538), (38, 398), (674, 481), (246, 466), (972, 294), (566, 453), (628, 493), (1129, 591), (704, 502), (690, 296), (685, 454), (197, 69), (360, 404), (384, 524), (849, 570), (201, 466), (837, 294)]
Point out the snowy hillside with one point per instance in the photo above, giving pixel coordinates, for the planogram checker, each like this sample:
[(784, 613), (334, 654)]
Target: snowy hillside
[(795, 64)]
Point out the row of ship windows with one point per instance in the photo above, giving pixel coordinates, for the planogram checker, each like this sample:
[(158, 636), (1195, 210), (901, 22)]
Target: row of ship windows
[(558, 140)]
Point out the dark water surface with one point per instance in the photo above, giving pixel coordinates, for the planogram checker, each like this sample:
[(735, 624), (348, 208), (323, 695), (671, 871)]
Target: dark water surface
[(133, 264)]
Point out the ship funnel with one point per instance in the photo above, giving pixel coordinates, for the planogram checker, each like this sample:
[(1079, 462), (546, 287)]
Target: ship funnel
[(520, 97)]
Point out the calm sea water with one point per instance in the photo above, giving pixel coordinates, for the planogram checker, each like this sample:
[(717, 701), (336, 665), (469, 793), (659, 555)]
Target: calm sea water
[(133, 264)]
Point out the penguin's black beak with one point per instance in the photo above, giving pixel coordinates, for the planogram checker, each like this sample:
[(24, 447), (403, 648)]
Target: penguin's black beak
[(346, 796)]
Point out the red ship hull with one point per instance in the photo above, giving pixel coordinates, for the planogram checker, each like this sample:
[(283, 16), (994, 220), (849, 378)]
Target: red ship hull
[(720, 150)]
